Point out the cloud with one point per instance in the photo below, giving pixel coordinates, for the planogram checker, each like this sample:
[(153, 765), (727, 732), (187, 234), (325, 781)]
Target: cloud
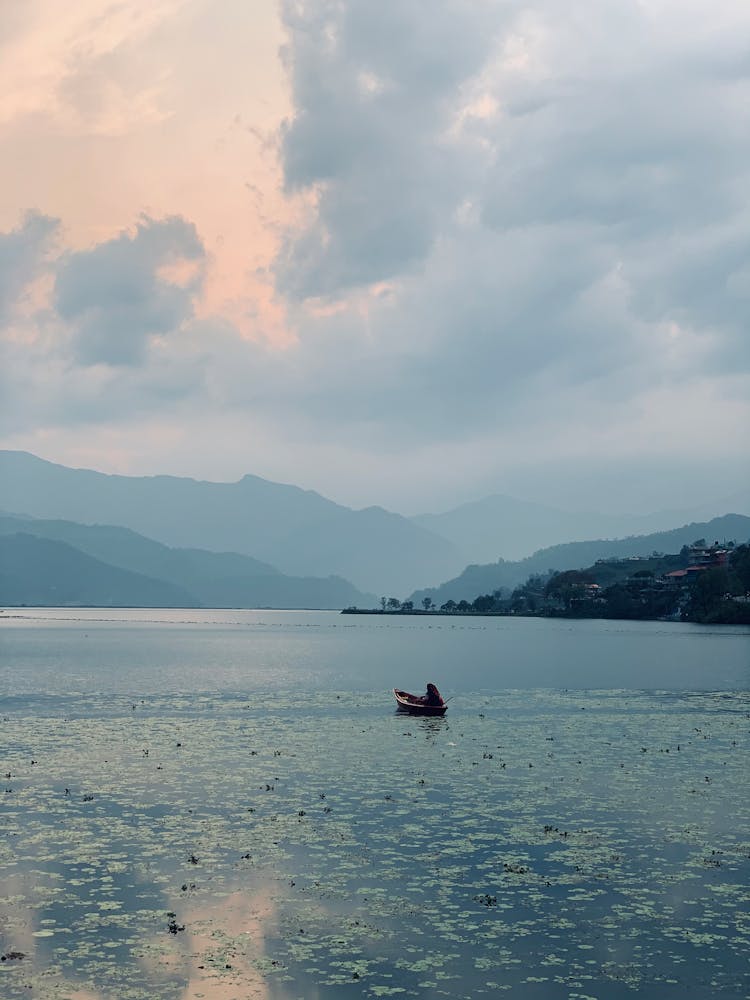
[(373, 90), (24, 254), (554, 196), (67, 65), (123, 293), (519, 241)]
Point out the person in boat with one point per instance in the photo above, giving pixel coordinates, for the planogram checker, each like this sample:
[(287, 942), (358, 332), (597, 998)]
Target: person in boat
[(433, 696)]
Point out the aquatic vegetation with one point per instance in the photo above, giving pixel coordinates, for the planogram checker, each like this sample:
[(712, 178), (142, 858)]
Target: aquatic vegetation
[(568, 843)]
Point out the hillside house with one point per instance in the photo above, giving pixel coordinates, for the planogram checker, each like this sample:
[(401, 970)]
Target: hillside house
[(708, 556)]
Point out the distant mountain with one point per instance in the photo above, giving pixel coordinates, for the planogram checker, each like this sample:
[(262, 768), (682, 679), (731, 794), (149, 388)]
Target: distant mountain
[(40, 571), (209, 579), (298, 531), (503, 527), (484, 579)]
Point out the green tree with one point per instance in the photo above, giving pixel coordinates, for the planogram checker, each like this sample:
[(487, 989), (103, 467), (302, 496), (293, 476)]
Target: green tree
[(530, 596), (484, 603), (567, 586), (706, 593), (739, 564), (620, 602)]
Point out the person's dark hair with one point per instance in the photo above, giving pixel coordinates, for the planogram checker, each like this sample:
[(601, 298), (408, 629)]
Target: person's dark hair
[(433, 695)]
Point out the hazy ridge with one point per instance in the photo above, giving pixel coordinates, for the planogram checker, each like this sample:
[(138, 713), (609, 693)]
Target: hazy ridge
[(503, 527), (298, 531), (105, 565), (45, 572), (484, 579), (258, 543)]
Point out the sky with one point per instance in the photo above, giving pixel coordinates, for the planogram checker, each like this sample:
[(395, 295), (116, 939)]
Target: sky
[(408, 253)]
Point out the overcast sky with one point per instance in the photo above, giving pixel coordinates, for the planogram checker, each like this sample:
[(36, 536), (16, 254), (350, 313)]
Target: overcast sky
[(406, 253)]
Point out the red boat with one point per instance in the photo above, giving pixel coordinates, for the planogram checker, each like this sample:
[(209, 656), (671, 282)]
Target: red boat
[(416, 705)]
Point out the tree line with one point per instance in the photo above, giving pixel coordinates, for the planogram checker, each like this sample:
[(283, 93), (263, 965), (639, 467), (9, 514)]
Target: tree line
[(717, 595)]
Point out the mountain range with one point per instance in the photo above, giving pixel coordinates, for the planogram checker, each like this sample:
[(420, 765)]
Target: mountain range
[(259, 543), (504, 527), (43, 572), (297, 531), (485, 579), (61, 562)]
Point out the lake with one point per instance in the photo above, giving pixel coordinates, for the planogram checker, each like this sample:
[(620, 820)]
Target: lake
[(219, 804)]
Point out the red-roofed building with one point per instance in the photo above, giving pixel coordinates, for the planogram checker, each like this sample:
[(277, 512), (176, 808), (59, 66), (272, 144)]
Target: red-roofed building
[(708, 556)]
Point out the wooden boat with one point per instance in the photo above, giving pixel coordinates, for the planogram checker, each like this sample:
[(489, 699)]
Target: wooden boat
[(413, 704)]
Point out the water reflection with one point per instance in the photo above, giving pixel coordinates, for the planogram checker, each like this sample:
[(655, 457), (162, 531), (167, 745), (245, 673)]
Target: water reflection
[(222, 948), (431, 726), (215, 949), (79, 650), (554, 842)]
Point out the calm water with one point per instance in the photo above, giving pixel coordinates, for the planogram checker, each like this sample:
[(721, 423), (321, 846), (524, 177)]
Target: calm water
[(224, 804)]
